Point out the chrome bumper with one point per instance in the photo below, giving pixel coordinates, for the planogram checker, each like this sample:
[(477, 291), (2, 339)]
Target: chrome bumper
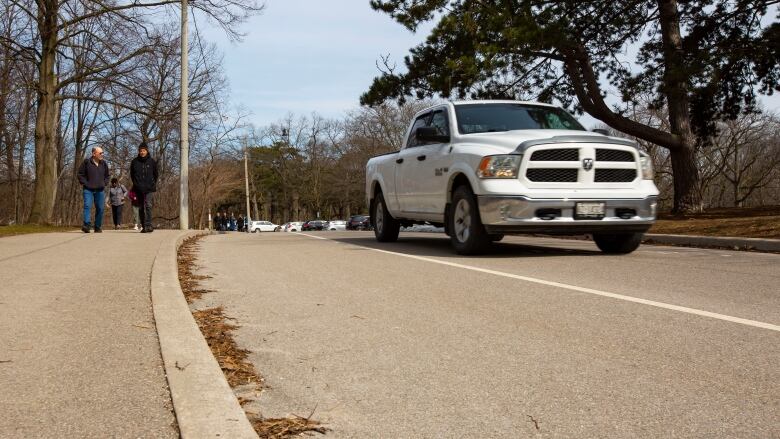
[(518, 214)]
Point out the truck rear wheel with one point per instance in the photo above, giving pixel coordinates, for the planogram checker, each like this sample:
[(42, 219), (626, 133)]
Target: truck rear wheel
[(467, 233), (618, 243), (386, 227)]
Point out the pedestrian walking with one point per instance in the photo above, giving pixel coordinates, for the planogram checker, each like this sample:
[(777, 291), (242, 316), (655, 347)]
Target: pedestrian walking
[(232, 222), (143, 172), (93, 176), (240, 223), (116, 195), (222, 222), (135, 205)]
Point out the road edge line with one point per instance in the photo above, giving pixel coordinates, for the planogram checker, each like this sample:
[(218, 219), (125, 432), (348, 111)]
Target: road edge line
[(203, 402), (653, 303)]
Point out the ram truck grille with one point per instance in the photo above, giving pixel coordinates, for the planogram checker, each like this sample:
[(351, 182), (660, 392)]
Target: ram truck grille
[(581, 165), (552, 175), (614, 175), (613, 155), (556, 155)]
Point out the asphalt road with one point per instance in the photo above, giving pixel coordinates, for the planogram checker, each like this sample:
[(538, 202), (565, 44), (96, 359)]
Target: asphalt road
[(542, 338)]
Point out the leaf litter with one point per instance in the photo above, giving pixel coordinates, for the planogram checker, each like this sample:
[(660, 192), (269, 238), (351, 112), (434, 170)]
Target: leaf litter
[(239, 372)]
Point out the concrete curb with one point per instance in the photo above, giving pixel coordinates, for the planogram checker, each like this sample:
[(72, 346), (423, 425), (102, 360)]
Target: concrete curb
[(204, 403), (733, 243)]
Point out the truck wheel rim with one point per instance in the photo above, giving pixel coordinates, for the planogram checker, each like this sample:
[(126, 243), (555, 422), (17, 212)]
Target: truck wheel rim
[(462, 221), (378, 216)]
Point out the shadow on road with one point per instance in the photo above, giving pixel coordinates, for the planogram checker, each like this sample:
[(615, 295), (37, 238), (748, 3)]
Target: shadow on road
[(440, 246)]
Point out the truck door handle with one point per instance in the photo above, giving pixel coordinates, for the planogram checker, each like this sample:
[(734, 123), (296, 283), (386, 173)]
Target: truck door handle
[(420, 157), (399, 161)]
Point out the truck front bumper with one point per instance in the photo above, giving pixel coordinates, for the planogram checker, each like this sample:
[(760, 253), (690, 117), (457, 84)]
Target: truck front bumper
[(521, 214)]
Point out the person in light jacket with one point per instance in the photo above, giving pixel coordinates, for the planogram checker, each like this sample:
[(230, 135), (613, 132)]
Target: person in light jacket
[(116, 195), (93, 176), (143, 172)]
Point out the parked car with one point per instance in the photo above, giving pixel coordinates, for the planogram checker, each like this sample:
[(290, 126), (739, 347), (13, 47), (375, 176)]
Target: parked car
[(313, 225), (262, 226), (294, 226), (359, 222), (336, 225)]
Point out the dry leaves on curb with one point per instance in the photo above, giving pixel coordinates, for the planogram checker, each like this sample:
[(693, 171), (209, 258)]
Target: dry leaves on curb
[(232, 359)]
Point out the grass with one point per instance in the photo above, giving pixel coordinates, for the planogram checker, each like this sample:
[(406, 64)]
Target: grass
[(24, 229), (756, 222)]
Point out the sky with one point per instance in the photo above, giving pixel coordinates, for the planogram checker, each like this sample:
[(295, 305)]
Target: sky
[(300, 56), (304, 56)]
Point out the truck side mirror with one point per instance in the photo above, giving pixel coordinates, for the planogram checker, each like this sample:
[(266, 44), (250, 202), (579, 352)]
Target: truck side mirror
[(431, 134)]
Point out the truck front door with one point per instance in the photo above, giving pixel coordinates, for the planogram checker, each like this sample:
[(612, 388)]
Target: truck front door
[(406, 169), (425, 168)]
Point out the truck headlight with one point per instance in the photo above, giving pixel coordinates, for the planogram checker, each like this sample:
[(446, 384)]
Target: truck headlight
[(647, 167), (499, 166)]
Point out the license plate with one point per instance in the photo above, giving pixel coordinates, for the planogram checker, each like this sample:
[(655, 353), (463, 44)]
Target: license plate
[(589, 210)]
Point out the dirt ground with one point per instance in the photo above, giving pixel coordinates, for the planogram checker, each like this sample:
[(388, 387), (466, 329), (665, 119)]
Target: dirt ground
[(747, 222)]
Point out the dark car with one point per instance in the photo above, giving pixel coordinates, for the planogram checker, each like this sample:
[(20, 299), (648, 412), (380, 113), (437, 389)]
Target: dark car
[(359, 222), (313, 225)]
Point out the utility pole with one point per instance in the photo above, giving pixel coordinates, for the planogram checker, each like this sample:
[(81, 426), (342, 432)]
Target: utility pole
[(184, 192), (246, 183)]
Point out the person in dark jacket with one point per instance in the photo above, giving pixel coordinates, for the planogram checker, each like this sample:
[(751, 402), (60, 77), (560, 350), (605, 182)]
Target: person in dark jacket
[(93, 176), (143, 173)]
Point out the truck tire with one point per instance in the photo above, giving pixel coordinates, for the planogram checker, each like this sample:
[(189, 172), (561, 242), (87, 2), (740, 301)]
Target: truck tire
[(386, 227), (617, 243), (467, 233)]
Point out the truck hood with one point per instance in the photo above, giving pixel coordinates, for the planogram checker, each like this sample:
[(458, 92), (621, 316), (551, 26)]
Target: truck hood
[(508, 141)]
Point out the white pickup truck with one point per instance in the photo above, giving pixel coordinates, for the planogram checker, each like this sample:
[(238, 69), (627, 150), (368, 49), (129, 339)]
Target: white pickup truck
[(483, 169)]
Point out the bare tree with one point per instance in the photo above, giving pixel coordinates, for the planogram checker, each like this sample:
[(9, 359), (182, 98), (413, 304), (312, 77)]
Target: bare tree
[(59, 23)]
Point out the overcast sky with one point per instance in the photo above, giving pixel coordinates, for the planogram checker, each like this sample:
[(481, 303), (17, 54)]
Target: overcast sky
[(300, 56)]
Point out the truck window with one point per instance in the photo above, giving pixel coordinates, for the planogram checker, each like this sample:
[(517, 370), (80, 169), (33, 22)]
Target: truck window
[(421, 121), (439, 120), (485, 118)]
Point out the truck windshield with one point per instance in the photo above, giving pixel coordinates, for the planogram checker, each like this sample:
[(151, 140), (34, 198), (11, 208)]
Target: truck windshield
[(488, 118)]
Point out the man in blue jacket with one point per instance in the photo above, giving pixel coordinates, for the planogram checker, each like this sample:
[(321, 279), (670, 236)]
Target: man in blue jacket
[(143, 173), (93, 176)]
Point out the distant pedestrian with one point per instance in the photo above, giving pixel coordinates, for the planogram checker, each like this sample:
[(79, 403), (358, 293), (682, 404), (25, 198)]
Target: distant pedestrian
[(117, 194), (93, 176), (220, 221), (135, 205), (232, 222), (240, 223), (143, 172)]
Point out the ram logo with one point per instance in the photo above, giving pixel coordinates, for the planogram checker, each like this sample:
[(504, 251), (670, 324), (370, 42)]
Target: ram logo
[(587, 164)]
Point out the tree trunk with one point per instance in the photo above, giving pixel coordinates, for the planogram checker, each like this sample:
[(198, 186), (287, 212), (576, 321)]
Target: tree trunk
[(675, 87), (296, 206), (47, 119)]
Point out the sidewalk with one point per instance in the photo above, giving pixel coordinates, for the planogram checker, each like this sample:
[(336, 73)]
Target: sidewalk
[(79, 353), (732, 243)]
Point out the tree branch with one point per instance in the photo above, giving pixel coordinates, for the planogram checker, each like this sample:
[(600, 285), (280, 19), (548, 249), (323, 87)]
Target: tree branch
[(85, 74)]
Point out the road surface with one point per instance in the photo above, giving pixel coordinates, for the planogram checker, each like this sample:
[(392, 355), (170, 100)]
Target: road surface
[(542, 338)]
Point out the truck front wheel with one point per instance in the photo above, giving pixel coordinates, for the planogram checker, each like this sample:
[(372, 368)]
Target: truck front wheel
[(467, 233), (617, 243), (386, 227)]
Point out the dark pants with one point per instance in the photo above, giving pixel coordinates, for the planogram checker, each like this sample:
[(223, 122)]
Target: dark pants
[(145, 209), (116, 213)]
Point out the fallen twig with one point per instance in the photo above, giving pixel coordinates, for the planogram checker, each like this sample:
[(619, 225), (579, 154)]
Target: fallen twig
[(536, 423)]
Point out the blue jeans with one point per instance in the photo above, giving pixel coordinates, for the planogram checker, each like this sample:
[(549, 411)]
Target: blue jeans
[(99, 198)]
